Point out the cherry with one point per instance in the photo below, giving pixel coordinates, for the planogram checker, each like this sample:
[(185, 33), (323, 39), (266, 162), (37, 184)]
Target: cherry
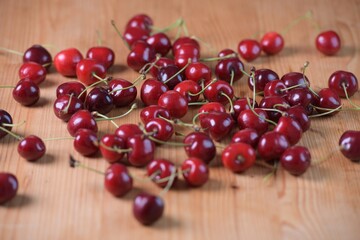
[(66, 60), (66, 105), (148, 208), (141, 54), (81, 119), (238, 157), (299, 114), (349, 145), (153, 111), (159, 169), (110, 146), (26, 92), (142, 21), (248, 119), (272, 43), (182, 41), (133, 35), (122, 92), (88, 71), (33, 71), (38, 54), (170, 76), (249, 49), (200, 145), (299, 96), (290, 128), (186, 53), (242, 104), (295, 79), (118, 180), (217, 124), (8, 187), (175, 103), (198, 72), (5, 118), (161, 62), (142, 150), (328, 99), (341, 81), (328, 42), (161, 129), (272, 145), (102, 55), (247, 135), (226, 52), (86, 142), (99, 100), (125, 131), (151, 90), (229, 70), (275, 88), (189, 89), (195, 171), (262, 77), (160, 42), (74, 88), (274, 102), (210, 107), (296, 160), (31, 148), (219, 91)]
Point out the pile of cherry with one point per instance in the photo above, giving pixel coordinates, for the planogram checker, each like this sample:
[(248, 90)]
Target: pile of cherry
[(266, 132)]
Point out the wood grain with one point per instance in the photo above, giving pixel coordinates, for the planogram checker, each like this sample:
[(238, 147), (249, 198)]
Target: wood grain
[(56, 202)]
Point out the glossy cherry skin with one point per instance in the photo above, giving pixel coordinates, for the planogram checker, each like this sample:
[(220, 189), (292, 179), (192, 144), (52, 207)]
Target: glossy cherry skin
[(215, 92), (86, 69), (249, 49), (195, 171), (142, 21), (148, 208), (226, 52), (275, 102), (175, 103), (162, 62), (272, 43), (33, 71), (133, 35), (8, 187), (349, 143), (198, 72), (110, 144), (211, 107), (31, 148), (63, 110), (99, 100), (118, 180), (127, 130), (200, 145), (168, 72), (186, 53), (217, 124), (290, 128), (160, 42), (142, 150), (272, 145), (189, 89), (141, 53), (184, 40), (262, 77), (81, 119), (102, 55), (26, 92), (299, 114), (152, 112), (225, 67), (74, 88), (275, 88), (247, 119), (164, 169), (38, 54), (122, 92), (328, 99), (340, 79), (66, 60), (295, 78), (151, 90), (299, 96), (296, 160), (247, 135), (162, 129), (238, 157), (240, 105), (86, 142), (5, 117), (328, 42)]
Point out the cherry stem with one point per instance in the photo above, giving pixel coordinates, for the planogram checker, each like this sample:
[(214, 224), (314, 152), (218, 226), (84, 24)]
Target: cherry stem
[(151, 65), (115, 149), (265, 119), (58, 138), (326, 113), (203, 89), (347, 96), (230, 102), (7, 86), (181, 123), (208, 45), (106, 117), (99, 42), (272, 173), (12, 51), (197, 116), (120, 35), (101, 80), (184, 27), (273, 110), (11, 133), (180, 71), (254, 87), (232, 55), (303, 69), (169, 183), (197, 103), (12, 124), (179, 22), (292, 87), (307, 15), (232, 77), (265, 165), (134, 106), (66, 109), (75, 163), (281, 105), (140, 78), (328, 156)]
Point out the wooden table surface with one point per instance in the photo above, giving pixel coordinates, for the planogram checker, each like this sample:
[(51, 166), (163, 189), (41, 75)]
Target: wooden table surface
[(57, 202)]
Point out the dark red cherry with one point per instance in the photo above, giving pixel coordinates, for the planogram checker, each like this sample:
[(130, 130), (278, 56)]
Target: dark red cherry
[(238, 157), (66, 60), (127, 130), (249, 49), (299, 96), (148, 208), (118, 181), (159, 169), (328, 99), (8, 187), (296, 160), (349, 143), (275, 88), (211, 107), (168, 72), (31, 148), (200, 145), (272, 43), (110, 146), (189, 89), (64, 110), (290, 128), (328, 42), (151, 90), (162, 62), (142, 150), (81, 119), (216, 91), (195, 171), (262, 77), (225, 52), (142, 21), (175, 103), (295, 79), (153, 111), (102, 55), (161, 129), (186, 53), (134, 35), (160, 42), (74, 88), (5, 117), (33, 71), (141, 53), (99, 100), (240, 105), (275, 102), (247, 135), (86, 142), (122, 92), (26, 92), (184, 40), (217, 124), (225, 68), (299, 114), (272, 145), (86, 69), (248, 119), (343, 79), (38, 54), (198, 72)]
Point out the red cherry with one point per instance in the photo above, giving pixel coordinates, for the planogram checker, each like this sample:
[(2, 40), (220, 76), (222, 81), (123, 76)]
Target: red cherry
[(198, 72), (195, 172), (153, 111), (86, 142), (299, 96), (64, 110), (296, 160), (175, 103), (162, 62), (240, 105), (142, 150), (33, 71), (238, 157), (122, 92), (74, 88), (247, 119), (342, 79), (211, 107), (38, 54), (5, 117), (164, 169), (182, 41), (160, 42), (272, 43), (272, 145), (109, 146), (26, 92), (249, 49), (81, 119), (299, 114), (102, 55), (162, 130), (274, 102), (133, 35), (275, 88), (31, 148), (328, 42), (66, 60), (148, 208), (125, 131), (99, 100), (216, 91), (8, 187), (142, 21), (118, 180), (349, 143), (225, 68), (151, 90), (217, 124), (141, 54), (185, 53), (225, 52), (262, 77), (248, 135), (295, 79), (188, 87), (167, 72), (86, 69), (328, 99), (290, 128), (200, 145)]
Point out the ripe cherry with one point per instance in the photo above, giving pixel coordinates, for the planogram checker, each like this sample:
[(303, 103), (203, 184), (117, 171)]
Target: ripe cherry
[(272, 145), (175, 103), (99, 100), (127, 130), (349, 143), (219, 91), (74, 88), (296, 160), (87, 69), (272, 43), (217, 124), (66, 60), (160, 42), (238, 157), (142, 150), (148, 208), (182, 41), (290, 128), (86, 142), (275, 88), (299, 96), (170, 76), (66, 105), (26, 92), (195, 171), (118, 180), (153, 111), (210, 107), (200, 145), (161, 129), (161, 62), (299, 114), (102, 55), (341, 81), (151, 90), (141, 53), (110, 148), (31, 148), (262, 77), (81, 119), (295, 79), (185, 54), (328, 99), (189, 89), (197, 71), (249, 49), (38, 54), (247, 135), (159, 169), (33, 71), (141, 21), (8, 187), (274, 102), (226, 52), (248, 119), (5, 118), (242, 104), (229, 70), (134, 35), (328, 42), (122, 92)]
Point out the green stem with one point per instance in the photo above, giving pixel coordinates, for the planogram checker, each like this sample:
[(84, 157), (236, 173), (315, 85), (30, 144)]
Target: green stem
[(11, 133), (180, 71), (12, 124), (230, 102), (348, 98), (99, 42), (58, 138), (177, 23), (75, 163), (120, 35), (326, 113), (120, 116), (265, 119), (203, 89), (218, 58), (12, 51), (307, 15), (106, 117)]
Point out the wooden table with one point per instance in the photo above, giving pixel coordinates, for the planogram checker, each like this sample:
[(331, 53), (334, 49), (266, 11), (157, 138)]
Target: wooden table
[(57, 202)]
